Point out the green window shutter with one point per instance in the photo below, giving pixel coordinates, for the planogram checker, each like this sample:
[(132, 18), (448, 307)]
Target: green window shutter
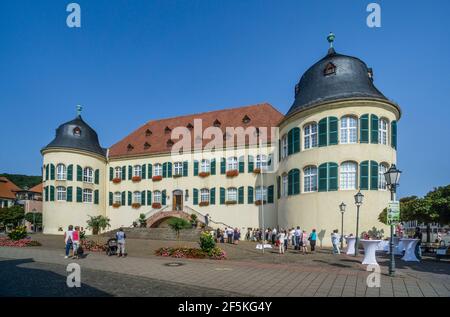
[(52, 171), (97, 177), (295, 181), (149, 171), (213, 167), (323, 131), (270, 194), (279, 150), (290, 142), (70, 172), (163, 197), (79, 195), (111, 198), (79, 173), (46, 193), (169, 169), (333, 130), (394, 134), (124, 173), (364, 175), (332, 176), (373, 175), (195, 198), (47, 173), (130, 172), (251, 164), (164, 170), (323, 177), (222, 195), (111, 173), (212, 196), (96, 197), (149, 198), (144, 171), (364, 129), (185, 168), (223, 167), (241, 195), (52, 193), (123, 199), (373, 129), (69, 193), (295, 140), (143, 198), (241, 164), (278, 187), (195, 168), (250, 198), (130, 198)]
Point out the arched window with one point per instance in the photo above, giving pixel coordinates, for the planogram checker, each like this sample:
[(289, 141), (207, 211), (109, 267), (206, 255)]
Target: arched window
[(261, 193), (232, 194), (232, 163), (381, 179), (117, 198), (261, 161), (137, 171), (157, 196), (61, 194), (158, 170), (349, 126), (310, 135), (204, 195), (88, 175), (294, 182), (383, 131), (178, 168), (348, 175), (118, 172), (61, 173), (310, 179), (204, 166), (284, 144), (285, 185), (136, 197), (87, 195)]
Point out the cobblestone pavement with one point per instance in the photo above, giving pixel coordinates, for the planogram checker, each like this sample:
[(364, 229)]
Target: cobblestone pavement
[(329, 276)]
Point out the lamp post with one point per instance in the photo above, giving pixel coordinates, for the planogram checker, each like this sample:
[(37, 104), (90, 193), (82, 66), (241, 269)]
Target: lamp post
[(342, 209), (358, 202), (392, 177)]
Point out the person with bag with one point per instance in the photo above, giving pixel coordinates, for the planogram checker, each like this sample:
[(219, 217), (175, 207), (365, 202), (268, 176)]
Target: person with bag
[(68, 240), (76, 241)]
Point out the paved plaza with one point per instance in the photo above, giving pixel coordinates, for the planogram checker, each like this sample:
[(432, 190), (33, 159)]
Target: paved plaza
[(246, 273)]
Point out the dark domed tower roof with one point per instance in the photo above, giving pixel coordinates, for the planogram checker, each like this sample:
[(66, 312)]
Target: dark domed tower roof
[(77, 134), (334, 77)]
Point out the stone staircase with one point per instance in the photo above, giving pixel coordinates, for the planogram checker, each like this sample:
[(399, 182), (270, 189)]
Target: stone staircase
[(157, 234)]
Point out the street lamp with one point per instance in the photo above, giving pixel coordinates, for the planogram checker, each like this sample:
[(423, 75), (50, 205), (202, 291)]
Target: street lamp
[(358, 202), (342, 209), (392, 177)]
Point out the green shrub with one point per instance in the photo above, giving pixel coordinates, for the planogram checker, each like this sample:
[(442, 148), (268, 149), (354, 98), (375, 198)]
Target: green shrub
[(207, 242), (18, 233)]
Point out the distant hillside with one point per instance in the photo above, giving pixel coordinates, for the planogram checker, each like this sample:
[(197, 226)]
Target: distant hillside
[(23, 180)]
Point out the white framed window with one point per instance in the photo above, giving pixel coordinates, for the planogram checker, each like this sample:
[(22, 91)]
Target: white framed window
[(88, 175), (61, 193), (284, 146), (310, 179), (157, 196), (61, 173), (382, 131), (261, 161), (158, 170), (204, 195), (232, 163), (349, 130), (178, 168), (310, 135), (118, 172), (232, 194), (261, 193), (136, 197), (137, 171), (117, 198), (87, 195), (204, 166), (382, 168), (348, 175), (285, 185)]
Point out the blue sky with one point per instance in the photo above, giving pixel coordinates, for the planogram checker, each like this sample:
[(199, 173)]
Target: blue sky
[(132, 61)]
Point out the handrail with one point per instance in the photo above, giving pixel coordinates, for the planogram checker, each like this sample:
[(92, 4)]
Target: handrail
[(203, 217)]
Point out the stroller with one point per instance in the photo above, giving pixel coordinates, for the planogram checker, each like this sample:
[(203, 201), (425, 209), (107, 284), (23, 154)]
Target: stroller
[(111, 247)]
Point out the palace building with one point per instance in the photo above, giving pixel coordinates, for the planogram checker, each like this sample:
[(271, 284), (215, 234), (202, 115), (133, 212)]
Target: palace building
[(338, 137)]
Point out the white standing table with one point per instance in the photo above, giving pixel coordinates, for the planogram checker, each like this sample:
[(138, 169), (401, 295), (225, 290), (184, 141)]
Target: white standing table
[(410, 248), (350, 245), (370, 248)]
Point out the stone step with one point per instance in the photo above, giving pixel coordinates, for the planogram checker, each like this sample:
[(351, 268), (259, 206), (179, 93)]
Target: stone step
[(158, 234)]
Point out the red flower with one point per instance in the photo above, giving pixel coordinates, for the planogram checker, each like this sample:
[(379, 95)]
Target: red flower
[(203, 174), (156, 205), (156, 178), (116, 180), (136, 178), (232, 173)]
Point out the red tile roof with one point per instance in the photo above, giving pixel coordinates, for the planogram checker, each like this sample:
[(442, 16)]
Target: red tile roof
[(155, 136), (7, 188), (36, 189)]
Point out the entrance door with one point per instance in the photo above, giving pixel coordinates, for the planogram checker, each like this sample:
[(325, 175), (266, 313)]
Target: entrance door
[(177, 201)]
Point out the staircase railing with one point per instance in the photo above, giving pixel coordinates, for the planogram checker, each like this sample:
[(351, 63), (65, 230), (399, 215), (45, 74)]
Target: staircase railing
[(201, 217)]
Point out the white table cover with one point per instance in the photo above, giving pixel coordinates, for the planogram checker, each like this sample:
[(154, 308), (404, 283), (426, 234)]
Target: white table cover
[(350, 245), (410, 247), (370, 248)]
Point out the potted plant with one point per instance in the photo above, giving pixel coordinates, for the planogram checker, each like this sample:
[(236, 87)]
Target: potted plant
[(257, 171), (98, 224), (156, 178), (116, 180), (260, 202), (116, 205), (142, 221), (203, 174), (178, 224), (204, 203), (135, 205), (194, 220), (156, 205), (232, 173), (231, 202), (177, 175), (136, 179)]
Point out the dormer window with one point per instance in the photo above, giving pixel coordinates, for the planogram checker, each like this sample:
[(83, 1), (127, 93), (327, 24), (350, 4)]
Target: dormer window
[(167, 130), (246, 119), (190, 126), (330, 69), (76, 131), (169, 143), (370, 73), (130, 147), (146, 145), (216, 123), (148, 132)]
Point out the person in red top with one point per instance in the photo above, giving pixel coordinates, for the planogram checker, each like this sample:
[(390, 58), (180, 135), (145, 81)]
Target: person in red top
[(76, 241)]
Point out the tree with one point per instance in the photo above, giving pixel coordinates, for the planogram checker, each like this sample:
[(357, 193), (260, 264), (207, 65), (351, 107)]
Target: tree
[(12, 216), (382, 217), (440, 203), (23, 180), (35, 218), (142, 221), (98, 224), (178, 224)]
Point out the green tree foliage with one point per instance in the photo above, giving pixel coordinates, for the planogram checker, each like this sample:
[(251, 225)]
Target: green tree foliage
[(439, 200), (178, 224), (12, 216), (34, 218), (23, 180), (98, 224), (142, 221), (18, 233)]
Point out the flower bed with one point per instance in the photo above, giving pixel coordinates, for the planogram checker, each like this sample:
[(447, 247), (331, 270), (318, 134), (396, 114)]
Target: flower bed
[(135, 205), (232, 173), (94, 246), (27, 242), (116, 180), (203, 203), (191, 253), (156, 205), (203, 174), (136, 179), (157, 178)]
